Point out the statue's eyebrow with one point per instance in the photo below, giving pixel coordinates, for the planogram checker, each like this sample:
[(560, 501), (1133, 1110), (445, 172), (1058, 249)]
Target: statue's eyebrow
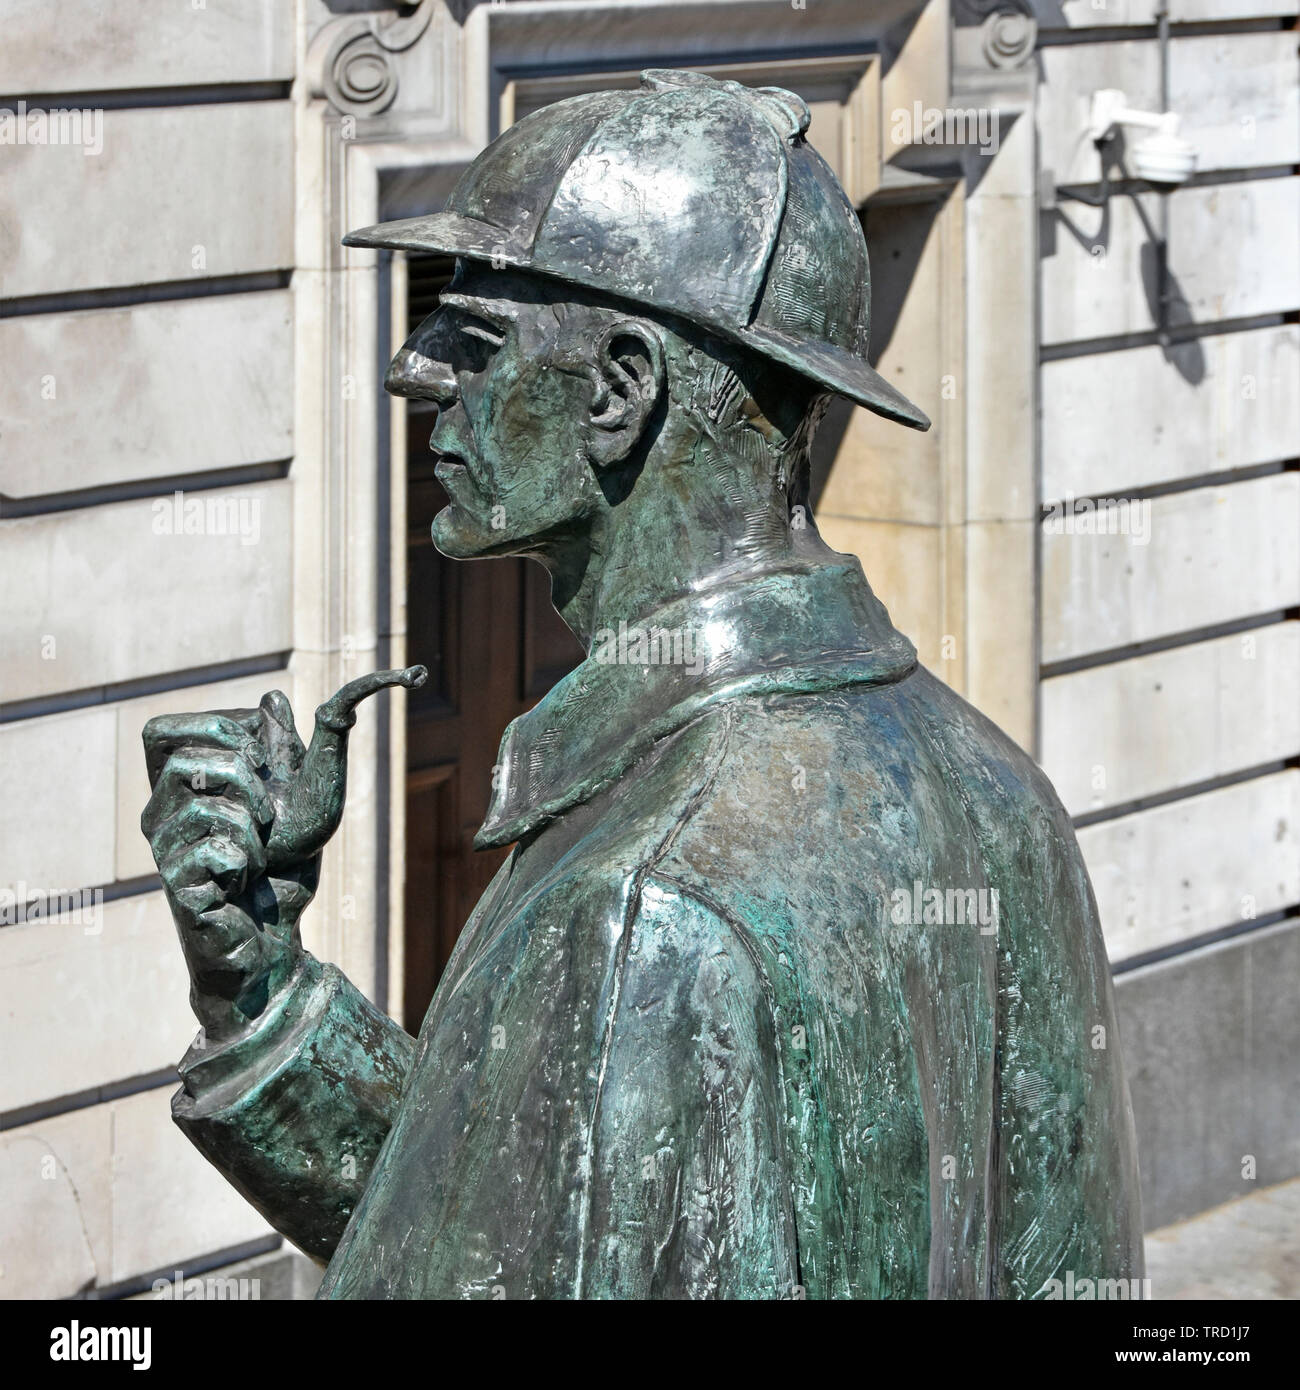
[(496, 312)]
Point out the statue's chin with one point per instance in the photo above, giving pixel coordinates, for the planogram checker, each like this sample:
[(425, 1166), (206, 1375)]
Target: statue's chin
[(459, 537)]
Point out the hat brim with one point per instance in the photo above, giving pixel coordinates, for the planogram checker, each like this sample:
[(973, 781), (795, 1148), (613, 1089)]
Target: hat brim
[(451, 234), (446, 233), (843, 372)]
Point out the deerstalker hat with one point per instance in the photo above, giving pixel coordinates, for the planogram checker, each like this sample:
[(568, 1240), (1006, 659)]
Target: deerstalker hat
[(686, 194)]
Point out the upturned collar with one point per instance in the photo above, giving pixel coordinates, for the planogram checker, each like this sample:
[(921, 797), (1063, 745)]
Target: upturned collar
[(794, 630)]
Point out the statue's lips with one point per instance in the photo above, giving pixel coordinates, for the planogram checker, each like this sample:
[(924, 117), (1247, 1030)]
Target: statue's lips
[(448, 467)]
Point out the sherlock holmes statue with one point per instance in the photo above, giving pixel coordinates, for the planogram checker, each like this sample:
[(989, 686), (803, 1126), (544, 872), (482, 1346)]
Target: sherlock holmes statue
[(712, 1031)]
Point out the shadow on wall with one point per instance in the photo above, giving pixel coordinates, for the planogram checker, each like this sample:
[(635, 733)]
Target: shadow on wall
[(898, 236)]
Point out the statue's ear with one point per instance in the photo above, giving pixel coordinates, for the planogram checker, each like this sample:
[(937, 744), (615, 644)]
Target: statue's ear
[(630, 380)]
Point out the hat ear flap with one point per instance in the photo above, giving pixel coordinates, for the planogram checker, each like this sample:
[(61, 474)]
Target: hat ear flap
[(792, 114)]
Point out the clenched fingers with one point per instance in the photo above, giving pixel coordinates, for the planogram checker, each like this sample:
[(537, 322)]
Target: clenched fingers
[(201, 818), (207, 874), (206, 772), (233, 730)]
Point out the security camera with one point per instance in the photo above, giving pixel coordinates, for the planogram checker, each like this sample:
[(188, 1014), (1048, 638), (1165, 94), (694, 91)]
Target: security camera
[(1162, 156)]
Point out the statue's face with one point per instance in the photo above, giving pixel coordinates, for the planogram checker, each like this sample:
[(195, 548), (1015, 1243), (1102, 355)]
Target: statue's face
[(514, 411)]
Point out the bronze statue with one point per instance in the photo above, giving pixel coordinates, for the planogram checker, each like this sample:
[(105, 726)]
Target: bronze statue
[(793, 983)]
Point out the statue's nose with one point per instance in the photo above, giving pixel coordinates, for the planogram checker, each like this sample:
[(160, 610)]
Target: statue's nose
[(413, 374)]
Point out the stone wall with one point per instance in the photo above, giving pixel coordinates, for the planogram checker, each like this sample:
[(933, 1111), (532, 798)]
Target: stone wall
[(146, 451), (1169, 648)]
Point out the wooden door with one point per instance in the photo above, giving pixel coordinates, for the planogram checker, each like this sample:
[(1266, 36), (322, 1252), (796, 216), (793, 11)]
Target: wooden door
[(494, 646)]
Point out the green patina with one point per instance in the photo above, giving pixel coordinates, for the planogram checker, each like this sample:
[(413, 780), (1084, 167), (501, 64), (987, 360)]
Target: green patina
[(699, 1038)]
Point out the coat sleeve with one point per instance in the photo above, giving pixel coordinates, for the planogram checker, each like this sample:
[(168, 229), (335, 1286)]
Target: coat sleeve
[(690, 1188), (1065, 1176), (294, 1111)]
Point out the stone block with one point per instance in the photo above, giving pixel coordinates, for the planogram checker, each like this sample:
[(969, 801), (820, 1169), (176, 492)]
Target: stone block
[(95, 397)]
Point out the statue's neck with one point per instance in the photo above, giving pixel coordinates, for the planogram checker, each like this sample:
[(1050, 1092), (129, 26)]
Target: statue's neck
[(671, 536)]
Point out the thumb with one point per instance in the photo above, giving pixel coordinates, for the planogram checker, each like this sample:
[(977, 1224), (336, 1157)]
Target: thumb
[(284, 748)]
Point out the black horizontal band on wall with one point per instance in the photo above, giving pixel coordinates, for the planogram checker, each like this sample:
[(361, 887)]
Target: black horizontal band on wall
[(103, 495), (1177, 334), (83, 1100), (118, 691), (190, 1268), (156, 292), (1189, 637), (130, 98), (1203, 939), (1133, 33)]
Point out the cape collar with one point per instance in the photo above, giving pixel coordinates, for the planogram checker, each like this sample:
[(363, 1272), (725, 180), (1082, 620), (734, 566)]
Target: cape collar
[(788, 631)]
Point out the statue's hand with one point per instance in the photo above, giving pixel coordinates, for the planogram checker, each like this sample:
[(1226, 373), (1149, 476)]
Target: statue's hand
[(219, 782)]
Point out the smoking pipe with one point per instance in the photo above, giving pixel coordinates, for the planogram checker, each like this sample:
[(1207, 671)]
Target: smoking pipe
[(312, 804)]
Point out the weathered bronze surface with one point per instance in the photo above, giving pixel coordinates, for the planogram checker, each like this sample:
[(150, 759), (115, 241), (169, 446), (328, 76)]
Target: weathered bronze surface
[(793, 983)]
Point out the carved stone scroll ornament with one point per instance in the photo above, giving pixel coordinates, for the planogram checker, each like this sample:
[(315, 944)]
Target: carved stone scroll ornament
[(350, 60), (1008, 38)]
